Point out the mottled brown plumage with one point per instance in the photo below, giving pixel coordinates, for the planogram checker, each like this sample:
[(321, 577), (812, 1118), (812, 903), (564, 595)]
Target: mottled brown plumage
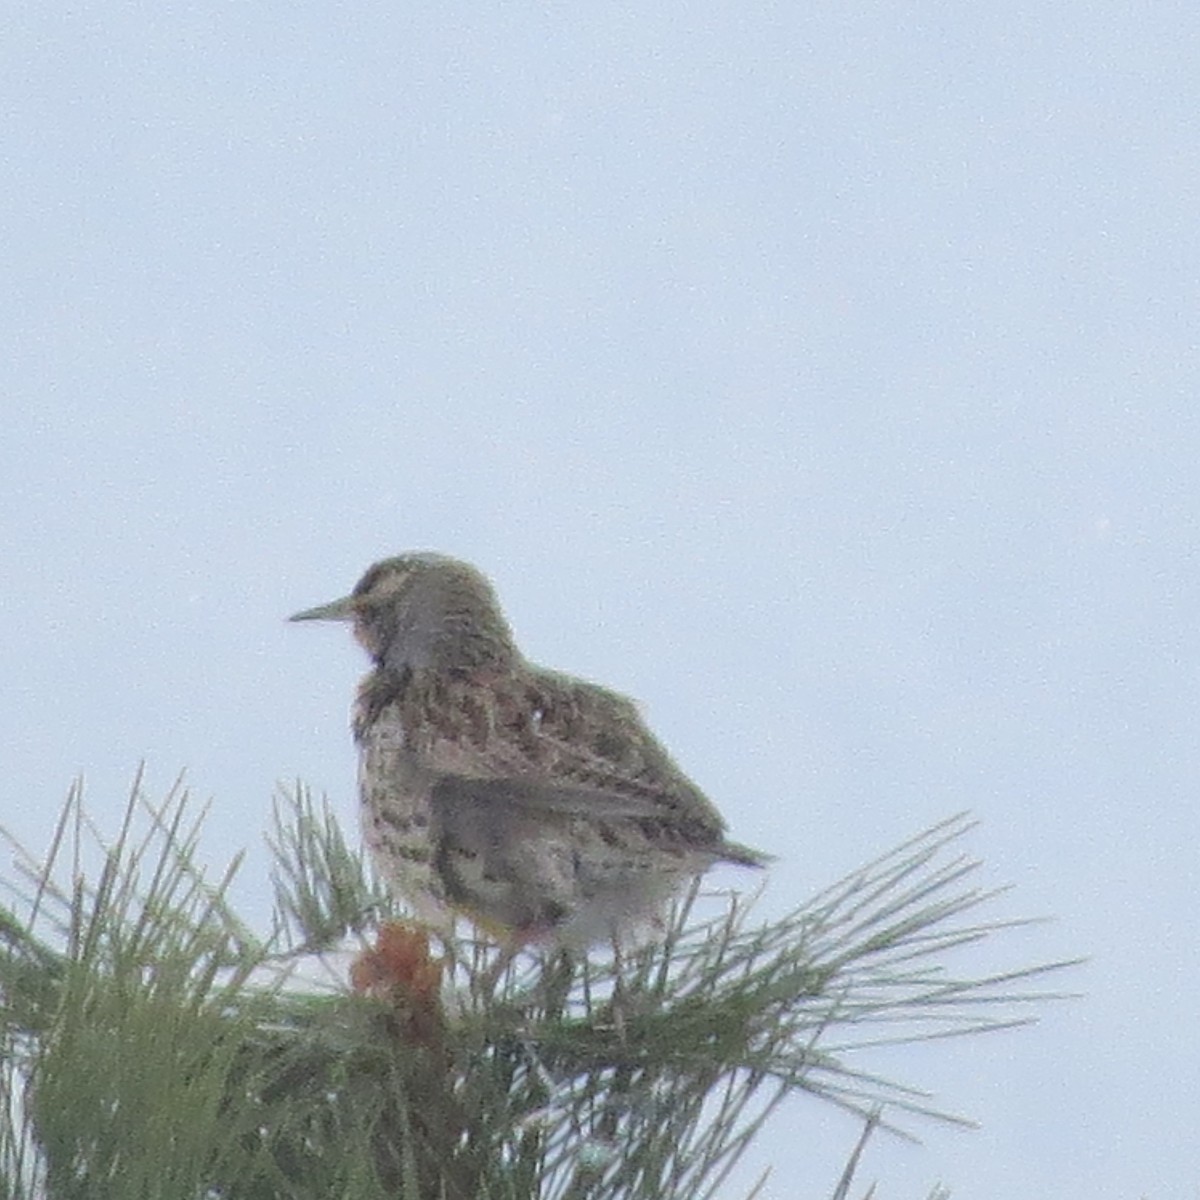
[(538, 804)]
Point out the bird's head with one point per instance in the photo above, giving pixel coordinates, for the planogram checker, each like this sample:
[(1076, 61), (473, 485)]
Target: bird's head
[(422, 611)]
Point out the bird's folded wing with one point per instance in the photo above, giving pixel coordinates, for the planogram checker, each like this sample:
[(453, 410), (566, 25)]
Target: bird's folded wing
[(533, 796), (458, 799)]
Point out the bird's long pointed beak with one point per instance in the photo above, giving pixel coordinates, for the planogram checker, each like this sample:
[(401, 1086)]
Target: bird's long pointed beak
[(335, 610)]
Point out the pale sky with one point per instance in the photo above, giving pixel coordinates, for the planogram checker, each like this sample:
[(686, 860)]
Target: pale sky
[(823, 376)]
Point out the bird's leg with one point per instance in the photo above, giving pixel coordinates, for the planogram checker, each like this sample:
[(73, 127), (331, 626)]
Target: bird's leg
[(447, 936), (618, 994), (483, 983)]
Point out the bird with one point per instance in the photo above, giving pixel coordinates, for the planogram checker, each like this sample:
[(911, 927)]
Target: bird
[(537, 804)]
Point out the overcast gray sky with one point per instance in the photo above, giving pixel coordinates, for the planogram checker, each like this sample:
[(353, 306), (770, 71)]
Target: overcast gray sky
[(823, 375)]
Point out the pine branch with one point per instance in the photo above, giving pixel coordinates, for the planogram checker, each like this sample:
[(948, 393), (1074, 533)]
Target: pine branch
[(153, 1045)]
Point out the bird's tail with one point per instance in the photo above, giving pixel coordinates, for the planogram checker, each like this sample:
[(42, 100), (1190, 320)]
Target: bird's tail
[(734, 852)]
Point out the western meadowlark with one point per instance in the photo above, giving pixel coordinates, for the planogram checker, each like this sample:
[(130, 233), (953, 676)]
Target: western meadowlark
[(537, 804)]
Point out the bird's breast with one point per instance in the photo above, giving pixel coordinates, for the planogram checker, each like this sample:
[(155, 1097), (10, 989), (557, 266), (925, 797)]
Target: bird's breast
[(397, 820)]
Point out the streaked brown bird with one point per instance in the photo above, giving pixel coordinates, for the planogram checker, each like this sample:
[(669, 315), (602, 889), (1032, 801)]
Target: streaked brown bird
[(537, 804)]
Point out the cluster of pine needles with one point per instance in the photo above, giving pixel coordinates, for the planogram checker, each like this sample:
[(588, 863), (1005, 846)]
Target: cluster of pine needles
[(153, 1043)]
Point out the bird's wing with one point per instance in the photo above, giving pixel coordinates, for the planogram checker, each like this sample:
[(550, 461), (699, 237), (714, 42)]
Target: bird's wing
[(553, 770), (534, 796), (534, 804), (546, 742), (598, 739)]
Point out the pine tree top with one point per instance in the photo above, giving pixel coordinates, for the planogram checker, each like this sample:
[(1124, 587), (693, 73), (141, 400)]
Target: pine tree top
[(155, 1044)]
